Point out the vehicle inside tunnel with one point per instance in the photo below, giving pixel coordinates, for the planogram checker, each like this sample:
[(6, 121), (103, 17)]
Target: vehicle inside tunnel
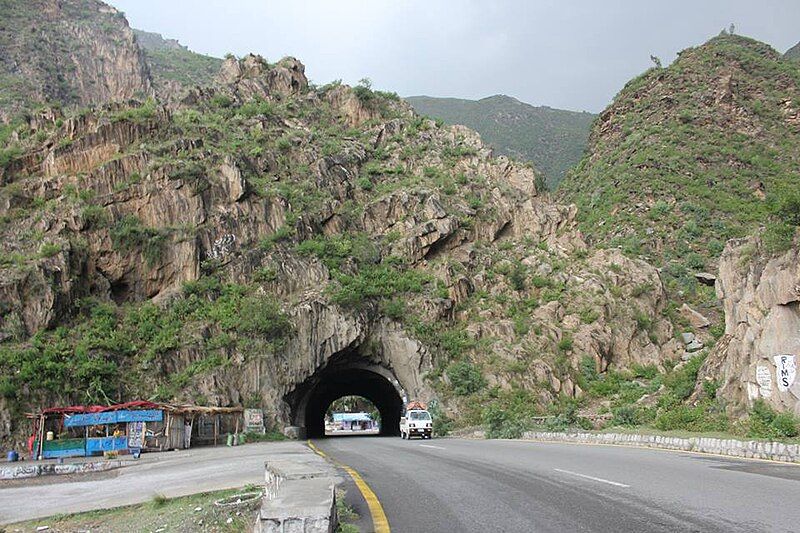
[(311, 400)]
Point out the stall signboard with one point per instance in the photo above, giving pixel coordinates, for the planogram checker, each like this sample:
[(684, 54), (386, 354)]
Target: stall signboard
[(136, 434), (254, 420)]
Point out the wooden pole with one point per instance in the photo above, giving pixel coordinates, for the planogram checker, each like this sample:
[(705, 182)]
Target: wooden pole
[(40, 452), (167, 433)]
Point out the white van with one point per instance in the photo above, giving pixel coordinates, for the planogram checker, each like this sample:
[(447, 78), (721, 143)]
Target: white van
[(416, 423)]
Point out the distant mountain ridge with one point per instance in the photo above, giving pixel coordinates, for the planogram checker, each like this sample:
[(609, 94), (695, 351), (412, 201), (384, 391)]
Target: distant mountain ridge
[(553, 139), (173, 66)]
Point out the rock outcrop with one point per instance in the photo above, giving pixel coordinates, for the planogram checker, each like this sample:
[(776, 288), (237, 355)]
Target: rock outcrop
[(761, 297)]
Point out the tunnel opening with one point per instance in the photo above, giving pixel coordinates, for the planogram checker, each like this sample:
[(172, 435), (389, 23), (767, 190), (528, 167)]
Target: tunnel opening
[(343, 376), (352, 415)]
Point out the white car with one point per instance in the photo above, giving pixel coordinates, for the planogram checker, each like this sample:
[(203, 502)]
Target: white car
[(416, 423)]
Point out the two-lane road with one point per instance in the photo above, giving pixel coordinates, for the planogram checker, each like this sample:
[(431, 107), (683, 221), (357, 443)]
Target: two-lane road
[(453, 485)]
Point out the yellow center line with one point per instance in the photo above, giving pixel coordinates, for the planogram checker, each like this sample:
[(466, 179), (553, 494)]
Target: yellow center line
[(379, 520)]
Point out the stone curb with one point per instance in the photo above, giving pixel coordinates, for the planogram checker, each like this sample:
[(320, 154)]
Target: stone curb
[(772, 451), (32, 469), (299, 496)]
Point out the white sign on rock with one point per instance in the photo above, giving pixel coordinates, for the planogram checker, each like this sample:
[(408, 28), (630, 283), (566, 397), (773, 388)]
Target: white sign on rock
[(764, 380), (786, 371)]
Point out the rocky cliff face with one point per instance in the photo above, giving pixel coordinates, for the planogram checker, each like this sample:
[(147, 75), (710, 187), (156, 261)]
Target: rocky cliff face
[(72, 52), (761, 296), (229, 248)]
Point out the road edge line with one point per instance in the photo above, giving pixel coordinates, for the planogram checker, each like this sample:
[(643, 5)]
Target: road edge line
[(379, 521)]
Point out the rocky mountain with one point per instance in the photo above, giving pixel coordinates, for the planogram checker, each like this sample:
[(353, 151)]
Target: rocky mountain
[(225, 249), (261, 241), (689, 156), (175, 68), (554, 140), (793, 52), (71, 52)]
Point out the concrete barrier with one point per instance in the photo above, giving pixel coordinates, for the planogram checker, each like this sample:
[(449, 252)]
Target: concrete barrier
[(34, 469), (773, 451), (300, 495)]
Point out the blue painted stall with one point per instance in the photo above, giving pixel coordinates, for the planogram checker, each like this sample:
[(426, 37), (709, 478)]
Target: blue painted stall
[(87, 447), (113, 417)]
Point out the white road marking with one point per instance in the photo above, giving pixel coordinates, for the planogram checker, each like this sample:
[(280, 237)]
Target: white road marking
[(601, 480), (432, 446)]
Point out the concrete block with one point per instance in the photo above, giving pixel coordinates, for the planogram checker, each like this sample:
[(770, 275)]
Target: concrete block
[(295, 432)]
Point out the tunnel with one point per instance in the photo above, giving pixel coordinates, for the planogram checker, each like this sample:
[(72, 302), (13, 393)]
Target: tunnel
[(346, 376)]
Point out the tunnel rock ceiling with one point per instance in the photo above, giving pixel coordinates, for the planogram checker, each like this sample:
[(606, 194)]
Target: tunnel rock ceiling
[(333, 354)]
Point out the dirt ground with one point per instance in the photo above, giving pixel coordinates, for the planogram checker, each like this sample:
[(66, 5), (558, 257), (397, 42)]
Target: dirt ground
[(188, 514)]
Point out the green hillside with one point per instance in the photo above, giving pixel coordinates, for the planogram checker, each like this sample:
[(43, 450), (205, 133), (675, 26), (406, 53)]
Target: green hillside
[(693, 154), (171, 62), (793, 52), (553, 139)]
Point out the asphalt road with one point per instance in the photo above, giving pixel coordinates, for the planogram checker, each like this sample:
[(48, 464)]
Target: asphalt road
[(453, 485), (171, 474)]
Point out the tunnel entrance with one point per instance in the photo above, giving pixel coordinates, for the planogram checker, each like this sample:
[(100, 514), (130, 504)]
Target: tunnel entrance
[(346, 376)]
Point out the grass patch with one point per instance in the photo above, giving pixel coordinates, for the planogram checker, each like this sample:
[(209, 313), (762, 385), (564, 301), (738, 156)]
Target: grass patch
[(160, 513)]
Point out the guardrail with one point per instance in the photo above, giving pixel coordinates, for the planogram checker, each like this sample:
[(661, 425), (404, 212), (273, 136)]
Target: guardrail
[(773, 451)]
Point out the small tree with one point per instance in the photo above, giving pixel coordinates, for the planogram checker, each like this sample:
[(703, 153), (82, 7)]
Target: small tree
[(656, 61)]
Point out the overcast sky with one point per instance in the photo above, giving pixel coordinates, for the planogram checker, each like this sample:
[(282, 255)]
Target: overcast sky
[(571, 54)]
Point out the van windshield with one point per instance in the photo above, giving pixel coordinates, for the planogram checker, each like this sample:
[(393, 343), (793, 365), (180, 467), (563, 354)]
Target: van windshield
[(419, 415)]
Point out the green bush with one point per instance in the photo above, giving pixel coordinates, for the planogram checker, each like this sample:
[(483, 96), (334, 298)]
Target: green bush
[(626, 415), (778, 237), (265, 275), (589, 315), (643, 322), (375, 282), (268, 436), (365, 183), (442, 424), (502, 424), (333, 251), (787, 207), (49, 249), (702, 417), (129, 234), (465, 378), (518, 277), (141, 113), (565, 344), (395, 309), (681, 382), (766, 423), (94, 216), (588, 370)]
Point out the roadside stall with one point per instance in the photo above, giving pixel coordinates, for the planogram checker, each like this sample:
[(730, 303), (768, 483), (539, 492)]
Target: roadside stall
[(128, 428)]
